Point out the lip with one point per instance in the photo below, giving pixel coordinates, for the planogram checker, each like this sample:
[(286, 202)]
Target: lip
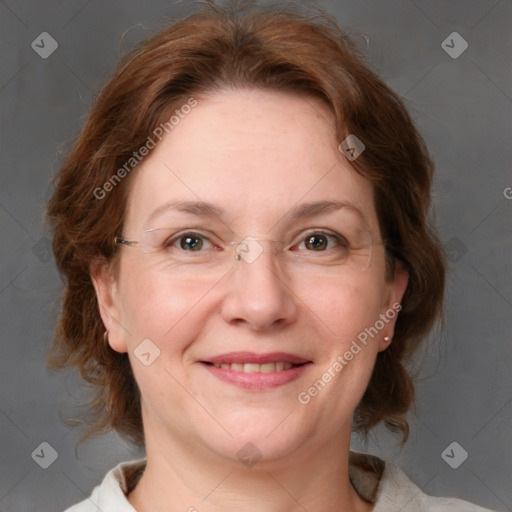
[(252, 357), (257, 381)]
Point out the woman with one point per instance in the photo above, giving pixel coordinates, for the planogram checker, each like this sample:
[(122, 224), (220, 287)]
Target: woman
[(243, 225)]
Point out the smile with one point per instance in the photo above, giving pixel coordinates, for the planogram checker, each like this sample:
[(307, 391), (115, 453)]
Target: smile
[(256, 371), (256, 368)]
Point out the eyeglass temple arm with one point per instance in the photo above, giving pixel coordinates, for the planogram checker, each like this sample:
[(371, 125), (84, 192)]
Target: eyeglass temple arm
[(122, 241)]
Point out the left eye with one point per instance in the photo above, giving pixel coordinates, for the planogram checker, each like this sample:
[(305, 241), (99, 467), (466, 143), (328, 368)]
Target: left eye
[(319, 242)]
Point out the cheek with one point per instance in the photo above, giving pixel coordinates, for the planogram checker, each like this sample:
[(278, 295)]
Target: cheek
[(344, 307), (155, 306), (345, 313)]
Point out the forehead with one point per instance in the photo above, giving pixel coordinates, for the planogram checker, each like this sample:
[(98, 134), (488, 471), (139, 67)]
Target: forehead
[(255, 154)]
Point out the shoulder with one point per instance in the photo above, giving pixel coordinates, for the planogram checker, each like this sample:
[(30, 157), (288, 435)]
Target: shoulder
[(111, 493), (390, 489)]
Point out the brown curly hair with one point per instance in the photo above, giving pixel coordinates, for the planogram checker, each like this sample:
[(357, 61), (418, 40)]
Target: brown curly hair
[(215, 48)]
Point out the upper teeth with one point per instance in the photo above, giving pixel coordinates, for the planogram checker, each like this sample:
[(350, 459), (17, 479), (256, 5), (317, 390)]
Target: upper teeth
[(253, 368)]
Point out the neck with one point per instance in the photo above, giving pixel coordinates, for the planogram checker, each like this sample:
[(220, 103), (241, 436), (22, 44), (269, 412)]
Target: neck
[(181, 477)]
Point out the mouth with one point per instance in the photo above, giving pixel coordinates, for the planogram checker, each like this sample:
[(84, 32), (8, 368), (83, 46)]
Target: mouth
[(256, 371), (278, 366)]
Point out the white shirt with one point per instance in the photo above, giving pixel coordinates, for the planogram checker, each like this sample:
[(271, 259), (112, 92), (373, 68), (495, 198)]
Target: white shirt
[(383, 484)]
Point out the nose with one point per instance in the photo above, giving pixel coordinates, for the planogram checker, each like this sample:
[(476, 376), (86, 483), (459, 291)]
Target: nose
[(258, 294)]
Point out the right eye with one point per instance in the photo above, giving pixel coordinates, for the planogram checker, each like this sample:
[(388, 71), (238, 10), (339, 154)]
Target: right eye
[(190, 242)]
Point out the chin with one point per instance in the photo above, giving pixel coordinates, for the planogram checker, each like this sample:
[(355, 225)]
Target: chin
[(258, 440)]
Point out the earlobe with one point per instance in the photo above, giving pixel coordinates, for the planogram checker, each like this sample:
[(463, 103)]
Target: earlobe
[(384, 342), (105, 287), (394, 295)]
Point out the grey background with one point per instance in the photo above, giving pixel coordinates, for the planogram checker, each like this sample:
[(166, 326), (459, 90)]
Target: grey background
[(463, 107)]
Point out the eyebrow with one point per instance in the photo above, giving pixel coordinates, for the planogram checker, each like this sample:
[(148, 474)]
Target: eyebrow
[(209, 210), (198, 208), (321, 207)]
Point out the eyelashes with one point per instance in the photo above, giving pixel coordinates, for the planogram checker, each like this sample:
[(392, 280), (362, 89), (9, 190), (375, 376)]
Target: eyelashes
[(314, 240)]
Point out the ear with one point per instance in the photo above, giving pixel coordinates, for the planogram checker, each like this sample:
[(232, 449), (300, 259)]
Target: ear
[(392, 303), (107, 295)]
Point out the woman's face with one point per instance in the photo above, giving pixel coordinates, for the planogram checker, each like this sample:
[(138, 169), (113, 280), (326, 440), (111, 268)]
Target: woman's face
[(274, 347)]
